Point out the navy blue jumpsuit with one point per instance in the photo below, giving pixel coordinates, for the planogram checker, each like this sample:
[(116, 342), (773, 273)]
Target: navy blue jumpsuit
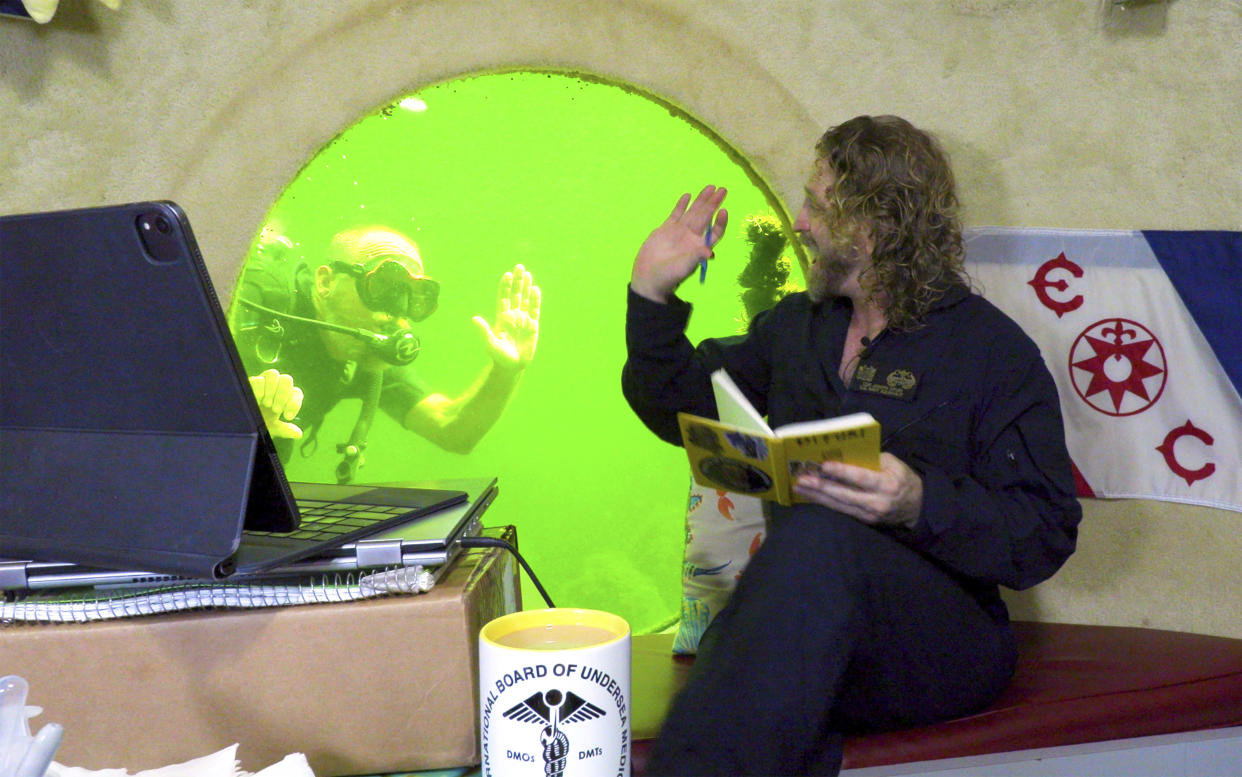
[(837, 627)]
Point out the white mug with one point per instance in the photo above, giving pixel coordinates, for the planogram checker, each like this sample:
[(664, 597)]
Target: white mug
[(554, 694)]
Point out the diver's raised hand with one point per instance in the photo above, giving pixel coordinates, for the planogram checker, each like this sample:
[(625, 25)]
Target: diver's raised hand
[(513, 335), (279, 401), (672, 251)]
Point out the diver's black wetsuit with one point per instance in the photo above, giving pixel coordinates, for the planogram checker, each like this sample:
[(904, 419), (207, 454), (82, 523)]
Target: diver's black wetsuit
[(268, 341)]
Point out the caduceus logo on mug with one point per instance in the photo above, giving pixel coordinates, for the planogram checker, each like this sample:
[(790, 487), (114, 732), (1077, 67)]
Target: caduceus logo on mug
[(554, 694), (555, 711)]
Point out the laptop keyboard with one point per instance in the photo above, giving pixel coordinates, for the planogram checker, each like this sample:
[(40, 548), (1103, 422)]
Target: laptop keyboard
[(325, 520)]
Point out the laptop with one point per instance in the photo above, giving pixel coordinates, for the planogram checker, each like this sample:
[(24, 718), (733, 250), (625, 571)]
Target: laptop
[(432, 542), (128, 430)]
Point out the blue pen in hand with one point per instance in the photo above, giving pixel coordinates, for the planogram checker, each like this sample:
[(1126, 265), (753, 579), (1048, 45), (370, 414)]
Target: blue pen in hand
[(707, 241)]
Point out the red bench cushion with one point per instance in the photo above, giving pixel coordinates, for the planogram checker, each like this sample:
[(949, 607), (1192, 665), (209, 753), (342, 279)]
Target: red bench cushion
[(1074, 684)]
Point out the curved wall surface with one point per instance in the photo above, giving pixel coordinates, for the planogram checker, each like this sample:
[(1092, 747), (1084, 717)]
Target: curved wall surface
[(1053, 119)]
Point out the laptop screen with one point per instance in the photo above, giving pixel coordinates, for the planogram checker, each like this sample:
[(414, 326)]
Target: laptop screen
[(126, 424)]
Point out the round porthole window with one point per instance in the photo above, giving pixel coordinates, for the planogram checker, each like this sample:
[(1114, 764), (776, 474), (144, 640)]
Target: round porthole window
[(424, 211)]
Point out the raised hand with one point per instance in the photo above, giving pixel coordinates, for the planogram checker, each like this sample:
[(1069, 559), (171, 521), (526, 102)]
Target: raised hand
[(675, 248), (514, 334)]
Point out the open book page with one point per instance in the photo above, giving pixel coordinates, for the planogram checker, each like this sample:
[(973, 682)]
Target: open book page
[(739, 453), (853, 439), (733, 406), (732, 458), (825, 425)]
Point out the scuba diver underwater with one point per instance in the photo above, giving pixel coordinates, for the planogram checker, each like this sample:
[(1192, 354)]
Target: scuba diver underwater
[(311, 336)]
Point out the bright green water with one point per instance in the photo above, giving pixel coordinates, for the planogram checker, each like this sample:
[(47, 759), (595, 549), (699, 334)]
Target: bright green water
[(566, 176)]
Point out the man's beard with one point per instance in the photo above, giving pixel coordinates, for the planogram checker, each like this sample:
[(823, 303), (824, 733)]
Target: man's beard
[(826, 276)]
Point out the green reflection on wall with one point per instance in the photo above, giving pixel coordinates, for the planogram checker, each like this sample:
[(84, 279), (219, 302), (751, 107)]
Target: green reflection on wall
[(565, 175)]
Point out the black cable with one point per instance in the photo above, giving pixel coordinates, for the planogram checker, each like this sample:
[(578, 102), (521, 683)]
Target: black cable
[(346, 330), (400, 347), (492, 542)]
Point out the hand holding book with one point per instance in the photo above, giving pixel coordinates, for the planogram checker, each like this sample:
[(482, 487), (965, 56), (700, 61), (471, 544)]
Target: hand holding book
[(893, 496), (740, 453)]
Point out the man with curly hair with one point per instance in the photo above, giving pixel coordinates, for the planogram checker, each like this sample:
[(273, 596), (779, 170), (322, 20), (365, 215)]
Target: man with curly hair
[(875, 603)]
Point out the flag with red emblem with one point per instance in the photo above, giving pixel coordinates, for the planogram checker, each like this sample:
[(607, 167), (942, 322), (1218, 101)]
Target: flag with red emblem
[(1141, 332)]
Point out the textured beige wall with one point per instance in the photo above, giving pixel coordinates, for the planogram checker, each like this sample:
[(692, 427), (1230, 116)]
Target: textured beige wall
[(1051, 120)]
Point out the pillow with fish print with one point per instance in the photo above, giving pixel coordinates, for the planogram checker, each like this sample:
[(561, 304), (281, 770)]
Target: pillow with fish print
[(723, 530)]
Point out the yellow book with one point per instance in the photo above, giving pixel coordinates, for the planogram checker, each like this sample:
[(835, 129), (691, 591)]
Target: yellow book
[(740, 453)]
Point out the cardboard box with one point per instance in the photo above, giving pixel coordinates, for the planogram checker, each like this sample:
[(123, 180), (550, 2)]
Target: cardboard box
[(376, 686)]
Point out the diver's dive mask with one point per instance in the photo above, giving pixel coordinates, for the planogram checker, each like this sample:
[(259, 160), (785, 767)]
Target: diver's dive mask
[(391, 287)]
